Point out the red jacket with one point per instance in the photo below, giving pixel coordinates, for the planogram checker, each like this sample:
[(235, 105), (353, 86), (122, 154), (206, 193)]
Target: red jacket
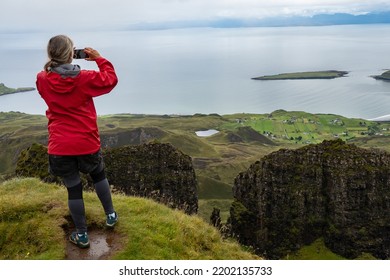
[(71, 112)]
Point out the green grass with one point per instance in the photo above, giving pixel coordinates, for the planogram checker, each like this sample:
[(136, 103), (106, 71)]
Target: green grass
[(289, 128), (318, 251), (33, 216), (210, 188), (315, 251)]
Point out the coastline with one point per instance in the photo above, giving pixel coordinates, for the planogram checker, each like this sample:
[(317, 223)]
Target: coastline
[(383, 77), (4, 90), (329, 74)]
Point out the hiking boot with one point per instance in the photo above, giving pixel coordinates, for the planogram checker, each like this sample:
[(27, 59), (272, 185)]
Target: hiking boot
[(112, 219), (79, 239)]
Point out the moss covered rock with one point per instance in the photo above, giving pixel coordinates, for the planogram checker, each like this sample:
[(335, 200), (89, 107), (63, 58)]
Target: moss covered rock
[(330, 190), (155, 170)]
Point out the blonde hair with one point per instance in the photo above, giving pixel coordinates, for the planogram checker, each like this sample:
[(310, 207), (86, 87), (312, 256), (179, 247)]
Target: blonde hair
[(59, 51)]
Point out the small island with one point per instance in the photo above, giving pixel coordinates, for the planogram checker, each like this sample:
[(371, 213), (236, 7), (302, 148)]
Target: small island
[(330, 74), (6, 90), (385, 76)]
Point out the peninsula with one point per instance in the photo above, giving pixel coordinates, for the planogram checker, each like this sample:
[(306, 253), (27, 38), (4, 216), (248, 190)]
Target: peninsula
[(6, 90), (384, 76), (329, 74)]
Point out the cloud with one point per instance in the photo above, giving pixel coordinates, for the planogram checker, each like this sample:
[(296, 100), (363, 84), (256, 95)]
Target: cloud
[(72, 14)]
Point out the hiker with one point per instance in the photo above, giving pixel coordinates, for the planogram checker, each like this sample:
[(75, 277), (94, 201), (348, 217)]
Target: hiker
[(74, 142)]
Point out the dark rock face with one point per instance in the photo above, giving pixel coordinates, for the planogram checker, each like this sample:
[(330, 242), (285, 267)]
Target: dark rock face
[(215, 218), (157, 171), (331, 190)]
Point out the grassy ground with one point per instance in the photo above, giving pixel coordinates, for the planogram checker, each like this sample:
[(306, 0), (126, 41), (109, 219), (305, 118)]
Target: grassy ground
[(291, 128), (315, 251), (33, 216), (318, 251)]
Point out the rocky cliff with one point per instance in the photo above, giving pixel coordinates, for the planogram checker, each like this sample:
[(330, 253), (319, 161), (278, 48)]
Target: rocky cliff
[(158, 171), (332, 190), (154, 170)]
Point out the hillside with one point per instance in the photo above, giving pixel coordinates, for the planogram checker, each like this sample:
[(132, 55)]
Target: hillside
[(34, 222), (242, 140), (272, 21)]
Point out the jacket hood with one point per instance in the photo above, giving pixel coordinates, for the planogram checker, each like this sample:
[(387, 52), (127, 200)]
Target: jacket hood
[(62, 79)]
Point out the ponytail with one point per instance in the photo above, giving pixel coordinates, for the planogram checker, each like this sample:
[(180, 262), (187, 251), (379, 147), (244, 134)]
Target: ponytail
[(59, 51)]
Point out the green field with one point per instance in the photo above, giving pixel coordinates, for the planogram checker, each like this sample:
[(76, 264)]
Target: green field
[(304, 128)]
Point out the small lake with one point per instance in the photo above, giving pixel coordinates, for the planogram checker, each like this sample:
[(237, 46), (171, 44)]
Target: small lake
[(206, 133)]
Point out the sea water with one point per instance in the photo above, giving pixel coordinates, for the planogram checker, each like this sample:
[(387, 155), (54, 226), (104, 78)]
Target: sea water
[(209, 70)]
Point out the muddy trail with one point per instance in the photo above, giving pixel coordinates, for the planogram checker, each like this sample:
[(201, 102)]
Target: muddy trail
[(103, 244)]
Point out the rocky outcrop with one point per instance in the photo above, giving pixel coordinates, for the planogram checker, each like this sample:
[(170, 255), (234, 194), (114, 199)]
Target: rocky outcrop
[(332, 190), (155, 170)]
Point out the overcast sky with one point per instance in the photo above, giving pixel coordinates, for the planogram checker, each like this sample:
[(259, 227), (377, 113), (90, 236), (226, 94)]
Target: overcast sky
[(85, 14)]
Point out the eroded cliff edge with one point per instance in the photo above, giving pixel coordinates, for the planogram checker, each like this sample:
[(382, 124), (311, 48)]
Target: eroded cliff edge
[(332, 190)]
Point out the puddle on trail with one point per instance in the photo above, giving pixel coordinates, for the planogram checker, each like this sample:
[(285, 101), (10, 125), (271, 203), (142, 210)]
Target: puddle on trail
[(103, 243)]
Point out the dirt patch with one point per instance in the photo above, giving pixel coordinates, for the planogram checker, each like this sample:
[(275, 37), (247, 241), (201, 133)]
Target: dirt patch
[(103, 244)]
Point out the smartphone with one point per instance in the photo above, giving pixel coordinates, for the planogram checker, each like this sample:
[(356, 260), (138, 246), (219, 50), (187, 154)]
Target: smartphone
[(80, 54)]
